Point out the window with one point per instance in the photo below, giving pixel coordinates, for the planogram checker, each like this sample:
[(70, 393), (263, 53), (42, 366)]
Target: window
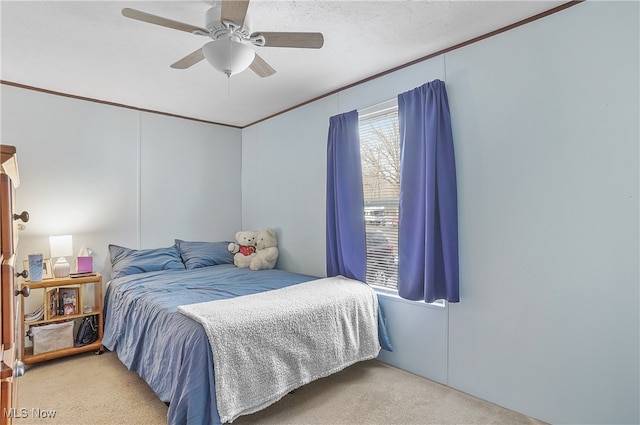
[(380, 155)]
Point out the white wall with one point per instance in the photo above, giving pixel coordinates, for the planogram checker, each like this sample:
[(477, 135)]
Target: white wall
[(546, 129), (283, 174), (190, 181), (106, 175)]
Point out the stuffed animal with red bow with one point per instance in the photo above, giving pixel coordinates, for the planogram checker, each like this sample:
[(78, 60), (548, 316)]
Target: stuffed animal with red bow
[(244, 248)]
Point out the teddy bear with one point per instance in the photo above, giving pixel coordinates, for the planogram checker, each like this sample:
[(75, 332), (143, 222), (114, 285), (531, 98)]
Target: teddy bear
[(244, 248), (266, 250)]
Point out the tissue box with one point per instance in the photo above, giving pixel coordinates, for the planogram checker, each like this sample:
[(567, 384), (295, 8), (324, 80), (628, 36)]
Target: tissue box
[(52, 337), (85, 264)]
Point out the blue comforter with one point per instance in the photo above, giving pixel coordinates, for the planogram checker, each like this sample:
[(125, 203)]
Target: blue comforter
[(168, 350)]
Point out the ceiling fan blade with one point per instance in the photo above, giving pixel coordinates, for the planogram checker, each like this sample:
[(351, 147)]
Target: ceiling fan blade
[(306, 40), (234, 10), (158, 20), (261, 68), (189, 60)]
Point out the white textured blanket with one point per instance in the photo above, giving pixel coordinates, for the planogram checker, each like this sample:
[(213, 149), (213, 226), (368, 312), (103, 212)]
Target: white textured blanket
[(265, 345)]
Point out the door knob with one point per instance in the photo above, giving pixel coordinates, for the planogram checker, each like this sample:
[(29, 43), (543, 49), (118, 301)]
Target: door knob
[(25, 291), (24, 216), (23, 274)]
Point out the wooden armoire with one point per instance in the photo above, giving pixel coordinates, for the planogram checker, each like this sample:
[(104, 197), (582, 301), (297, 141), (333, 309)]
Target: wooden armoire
[(10, 365)]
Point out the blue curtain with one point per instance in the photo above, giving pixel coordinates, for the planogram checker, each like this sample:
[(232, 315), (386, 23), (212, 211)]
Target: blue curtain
[(428, 228), (346, 241)]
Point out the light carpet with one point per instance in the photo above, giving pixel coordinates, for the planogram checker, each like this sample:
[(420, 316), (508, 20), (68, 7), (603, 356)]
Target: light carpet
[(87, 389)]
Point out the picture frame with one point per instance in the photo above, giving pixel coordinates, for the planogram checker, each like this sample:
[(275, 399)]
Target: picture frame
[(51, 303), (70, 300), (47, 269)]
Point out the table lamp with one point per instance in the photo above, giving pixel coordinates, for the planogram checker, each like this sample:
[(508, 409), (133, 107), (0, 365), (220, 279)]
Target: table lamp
[(61, 246)]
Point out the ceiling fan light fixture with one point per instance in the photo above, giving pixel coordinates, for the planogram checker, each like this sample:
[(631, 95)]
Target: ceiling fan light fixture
[(228, 56)]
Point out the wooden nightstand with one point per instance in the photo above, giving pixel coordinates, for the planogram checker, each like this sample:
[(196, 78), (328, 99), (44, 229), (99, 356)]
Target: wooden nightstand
[(87, 291)]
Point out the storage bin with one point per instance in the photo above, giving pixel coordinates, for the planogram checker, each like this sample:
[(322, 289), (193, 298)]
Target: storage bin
[(54, 336)]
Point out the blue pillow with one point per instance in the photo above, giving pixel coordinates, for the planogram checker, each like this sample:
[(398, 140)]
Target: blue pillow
[(126, 261), (203, 254)]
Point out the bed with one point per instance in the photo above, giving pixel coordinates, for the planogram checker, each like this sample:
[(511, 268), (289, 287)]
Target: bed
[(173, 313)]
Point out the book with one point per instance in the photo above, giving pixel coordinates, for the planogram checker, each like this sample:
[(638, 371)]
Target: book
[(83, 274), (35, 315)]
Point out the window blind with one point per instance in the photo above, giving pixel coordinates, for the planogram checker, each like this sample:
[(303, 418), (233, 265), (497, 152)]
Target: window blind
[(380, 156)]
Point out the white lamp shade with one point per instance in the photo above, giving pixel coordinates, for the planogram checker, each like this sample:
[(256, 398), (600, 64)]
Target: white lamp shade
[(228, 56), (61, 246)]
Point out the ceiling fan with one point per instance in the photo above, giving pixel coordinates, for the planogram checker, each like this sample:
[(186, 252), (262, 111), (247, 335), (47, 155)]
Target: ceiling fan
[(228, 26)]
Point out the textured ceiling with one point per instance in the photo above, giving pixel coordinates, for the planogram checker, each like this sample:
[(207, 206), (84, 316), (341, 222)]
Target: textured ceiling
[(89, 49)]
